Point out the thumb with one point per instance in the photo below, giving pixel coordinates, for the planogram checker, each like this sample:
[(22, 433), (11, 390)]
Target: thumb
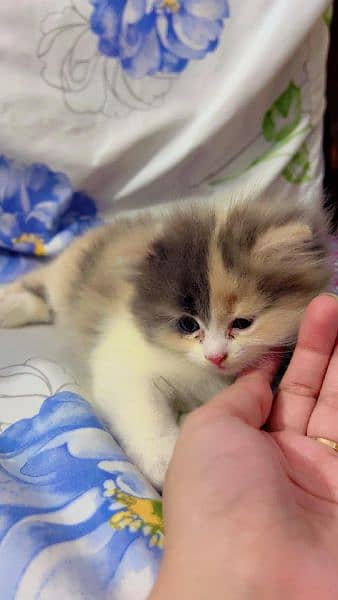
[(248, 399)]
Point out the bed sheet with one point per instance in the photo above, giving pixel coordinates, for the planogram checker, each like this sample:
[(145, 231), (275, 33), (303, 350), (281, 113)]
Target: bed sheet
[(77, 519)]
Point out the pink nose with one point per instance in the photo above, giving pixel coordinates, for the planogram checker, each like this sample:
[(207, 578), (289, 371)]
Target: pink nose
[(217, 359)]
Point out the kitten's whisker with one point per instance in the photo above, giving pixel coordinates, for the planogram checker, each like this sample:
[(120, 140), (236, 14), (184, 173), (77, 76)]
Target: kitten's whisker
[(263, 348)]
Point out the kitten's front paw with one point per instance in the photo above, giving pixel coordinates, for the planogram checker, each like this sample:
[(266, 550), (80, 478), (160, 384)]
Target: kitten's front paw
[(20, 307), (10, 306), (156, 458)]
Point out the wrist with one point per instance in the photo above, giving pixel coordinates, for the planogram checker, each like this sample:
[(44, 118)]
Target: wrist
[(182, 584), (239, 575)]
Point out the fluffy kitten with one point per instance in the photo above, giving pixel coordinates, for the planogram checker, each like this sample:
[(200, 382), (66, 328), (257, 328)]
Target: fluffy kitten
[(169, 308)]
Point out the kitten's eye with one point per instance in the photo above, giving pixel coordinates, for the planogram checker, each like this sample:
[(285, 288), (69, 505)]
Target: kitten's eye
[(187, 325), (241, 323)]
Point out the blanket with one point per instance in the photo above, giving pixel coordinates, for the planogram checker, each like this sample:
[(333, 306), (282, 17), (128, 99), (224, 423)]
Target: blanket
[(76, 516)]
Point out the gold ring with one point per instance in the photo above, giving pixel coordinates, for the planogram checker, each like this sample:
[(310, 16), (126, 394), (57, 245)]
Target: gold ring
[(331, 443)]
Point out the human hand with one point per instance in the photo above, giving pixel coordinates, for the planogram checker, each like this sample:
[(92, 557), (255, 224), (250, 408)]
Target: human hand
[(252, 513)]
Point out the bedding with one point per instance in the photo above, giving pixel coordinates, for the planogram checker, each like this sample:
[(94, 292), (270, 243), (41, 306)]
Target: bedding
[(100, 114), (76, 517)]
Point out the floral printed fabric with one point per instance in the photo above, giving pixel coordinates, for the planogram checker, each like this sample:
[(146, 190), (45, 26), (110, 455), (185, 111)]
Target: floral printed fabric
[(146, 101), (39, 215), (160, 36), (76, 518)]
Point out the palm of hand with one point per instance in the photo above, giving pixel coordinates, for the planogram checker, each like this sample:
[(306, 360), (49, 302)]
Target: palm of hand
[(280, 481)]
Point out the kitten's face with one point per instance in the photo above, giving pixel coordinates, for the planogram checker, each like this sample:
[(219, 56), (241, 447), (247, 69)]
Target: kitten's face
[(223, 290)]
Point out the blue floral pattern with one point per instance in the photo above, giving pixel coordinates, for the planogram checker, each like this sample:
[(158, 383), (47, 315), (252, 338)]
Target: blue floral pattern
[(157, 36), (116, 57), (13, 265), (39, 212), (39, 215), (75, 515)]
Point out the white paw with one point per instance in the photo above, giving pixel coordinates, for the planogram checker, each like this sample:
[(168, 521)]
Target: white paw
[(19, 307), (155, 459), (11, 307)]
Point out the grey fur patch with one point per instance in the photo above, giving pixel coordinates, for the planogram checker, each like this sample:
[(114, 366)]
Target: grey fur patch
[(245, 224), (286, 272), (173, 278)]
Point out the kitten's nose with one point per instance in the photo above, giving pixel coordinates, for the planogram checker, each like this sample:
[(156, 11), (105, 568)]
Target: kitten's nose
[(217, 359)]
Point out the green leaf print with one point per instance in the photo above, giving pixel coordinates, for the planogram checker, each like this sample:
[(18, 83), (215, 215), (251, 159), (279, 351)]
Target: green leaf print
[(284, 114), (281, 124), (327, 16), (270, 154), (297, 170), (158, 508)]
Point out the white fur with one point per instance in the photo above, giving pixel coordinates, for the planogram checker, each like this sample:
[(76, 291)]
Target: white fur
[(215, 341), (129, 379)]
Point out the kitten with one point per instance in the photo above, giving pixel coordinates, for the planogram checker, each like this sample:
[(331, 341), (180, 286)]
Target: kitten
[(170, 308)]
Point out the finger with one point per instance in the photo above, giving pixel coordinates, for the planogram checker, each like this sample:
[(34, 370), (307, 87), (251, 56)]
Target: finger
[(324, 418), (248, 399), (303, 379), (311, 465), (268, 365)]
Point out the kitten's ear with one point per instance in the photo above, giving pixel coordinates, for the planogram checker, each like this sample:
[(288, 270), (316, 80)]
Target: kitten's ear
[(278, 240)]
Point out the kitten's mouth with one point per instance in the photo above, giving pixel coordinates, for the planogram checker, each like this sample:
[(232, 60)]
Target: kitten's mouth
[(223, 369), (234, 370), (271, 356)]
